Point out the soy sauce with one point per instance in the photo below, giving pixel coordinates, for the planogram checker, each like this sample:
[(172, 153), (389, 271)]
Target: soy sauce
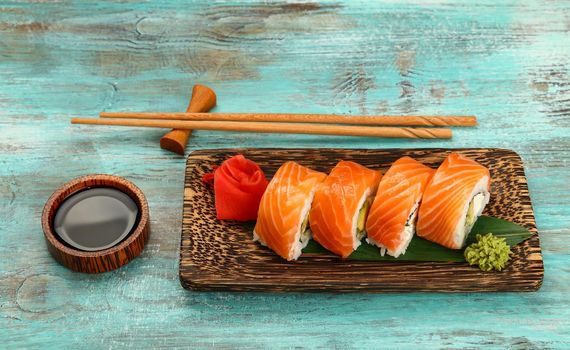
[(96, 218)]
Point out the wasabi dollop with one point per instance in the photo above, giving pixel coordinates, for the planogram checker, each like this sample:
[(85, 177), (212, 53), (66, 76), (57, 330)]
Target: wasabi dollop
[(489, 252)]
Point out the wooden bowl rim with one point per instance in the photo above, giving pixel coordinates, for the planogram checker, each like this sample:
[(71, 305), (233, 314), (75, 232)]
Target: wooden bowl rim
[(80, 183)]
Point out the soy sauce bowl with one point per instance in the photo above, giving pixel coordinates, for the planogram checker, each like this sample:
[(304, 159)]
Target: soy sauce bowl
[(73, 245)]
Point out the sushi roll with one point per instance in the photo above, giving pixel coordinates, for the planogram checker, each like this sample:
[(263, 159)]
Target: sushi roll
[(392, 219), (338, 215), (453, 200), (284, 209)]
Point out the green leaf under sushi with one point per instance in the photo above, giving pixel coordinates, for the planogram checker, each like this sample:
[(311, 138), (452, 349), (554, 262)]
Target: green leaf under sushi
[(424, 250), (513, 233)]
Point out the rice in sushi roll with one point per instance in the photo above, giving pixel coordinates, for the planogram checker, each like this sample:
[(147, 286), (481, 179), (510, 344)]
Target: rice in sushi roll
[(341, 205), (392, 219), (453, 200), (284, 209)]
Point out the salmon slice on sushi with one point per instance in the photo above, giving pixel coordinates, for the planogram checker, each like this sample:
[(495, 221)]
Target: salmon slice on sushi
[(453, 200), (283, 213), (392, 218), (338, 215)]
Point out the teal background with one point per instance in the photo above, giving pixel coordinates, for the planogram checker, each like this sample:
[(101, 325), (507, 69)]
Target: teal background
[(506, 62)]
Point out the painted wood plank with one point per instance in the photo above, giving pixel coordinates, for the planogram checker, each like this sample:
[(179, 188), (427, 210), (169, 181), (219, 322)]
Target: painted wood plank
[(505, 62)]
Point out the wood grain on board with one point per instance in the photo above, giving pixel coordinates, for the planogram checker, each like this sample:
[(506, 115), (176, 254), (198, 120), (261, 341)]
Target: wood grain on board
[(220, 255)]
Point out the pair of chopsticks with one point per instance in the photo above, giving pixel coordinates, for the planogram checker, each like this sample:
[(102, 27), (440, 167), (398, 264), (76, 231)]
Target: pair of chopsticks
[(319, 124)]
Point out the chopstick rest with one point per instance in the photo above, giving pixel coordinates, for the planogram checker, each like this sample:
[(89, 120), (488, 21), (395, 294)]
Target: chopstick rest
[(203, 99)]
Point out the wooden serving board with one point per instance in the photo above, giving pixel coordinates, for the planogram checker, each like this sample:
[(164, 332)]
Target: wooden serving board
[(220, 255)]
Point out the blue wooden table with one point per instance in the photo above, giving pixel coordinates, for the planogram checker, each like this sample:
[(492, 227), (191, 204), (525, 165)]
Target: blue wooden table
[(506, 62)]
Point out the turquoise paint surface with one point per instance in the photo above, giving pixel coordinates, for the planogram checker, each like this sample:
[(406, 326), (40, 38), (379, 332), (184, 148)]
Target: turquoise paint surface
[(508, 63)]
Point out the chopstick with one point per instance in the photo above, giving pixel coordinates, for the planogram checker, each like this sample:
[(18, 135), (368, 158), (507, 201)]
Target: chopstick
[(265, 127), (303, 118)]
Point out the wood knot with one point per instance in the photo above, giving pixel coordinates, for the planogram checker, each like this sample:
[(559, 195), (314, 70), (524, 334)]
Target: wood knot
[(42, 293)]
